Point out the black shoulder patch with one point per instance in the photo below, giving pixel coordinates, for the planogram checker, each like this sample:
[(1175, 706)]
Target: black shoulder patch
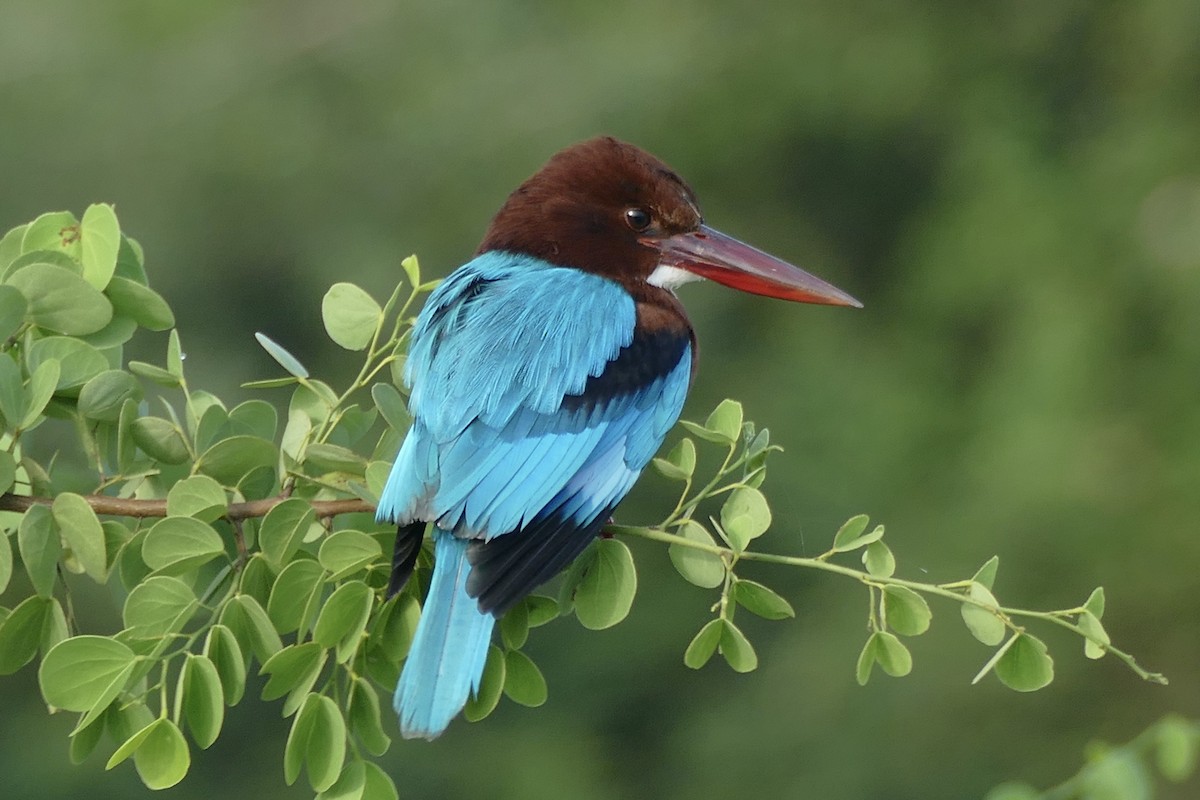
[(651, 355)]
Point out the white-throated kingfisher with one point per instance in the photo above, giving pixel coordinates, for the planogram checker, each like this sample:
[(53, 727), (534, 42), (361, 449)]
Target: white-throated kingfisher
[(544, 375)]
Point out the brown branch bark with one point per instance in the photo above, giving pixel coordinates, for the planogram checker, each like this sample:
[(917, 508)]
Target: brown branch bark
[(119, 507)]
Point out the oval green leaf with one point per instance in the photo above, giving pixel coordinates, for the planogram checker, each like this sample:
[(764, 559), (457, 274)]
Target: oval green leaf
[(523, 681), (351, 316), (82, 672), (83, 533), (179, 544), (1025, 665), (59, 300), (607, 585), (907, 612)]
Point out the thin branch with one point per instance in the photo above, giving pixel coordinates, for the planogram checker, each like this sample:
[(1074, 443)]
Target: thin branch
[(143, 509), (656, 535)]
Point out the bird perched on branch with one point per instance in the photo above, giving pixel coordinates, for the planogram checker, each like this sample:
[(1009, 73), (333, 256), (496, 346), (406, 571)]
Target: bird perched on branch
[(544, 374)]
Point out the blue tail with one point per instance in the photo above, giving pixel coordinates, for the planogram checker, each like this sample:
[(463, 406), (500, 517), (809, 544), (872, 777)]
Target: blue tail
[(446, 660)]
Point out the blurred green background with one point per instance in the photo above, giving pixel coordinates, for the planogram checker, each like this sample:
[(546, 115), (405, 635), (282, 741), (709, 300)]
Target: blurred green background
[(1012, 189)]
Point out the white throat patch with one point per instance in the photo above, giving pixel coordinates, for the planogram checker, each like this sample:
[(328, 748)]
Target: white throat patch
[(670, 278)]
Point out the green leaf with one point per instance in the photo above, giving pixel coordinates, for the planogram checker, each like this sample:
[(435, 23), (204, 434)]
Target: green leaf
[(61, 301), (491, 686), (396, 626), (162, 757), (851, 537), (200, 695), (351, 316), (85, 672), (6, 557), (199, 497), (983, 623), (412, 270), (159, 606), (54, 626), (760, 600), (296, 596), (257, 579), (12, 392), (54, 230), (131, 260), (78, 361), (907, 612), (252, 627), (1176, 747), (180, 544), (736, 648), (285, 359), (704, 644), (140, 303), (174, 354), (317, 740), (160, 439), (82, 531), (221, 647), (99, 241), (119, 330), (514, 627), (21, 633), (152, 373), (254, 417), (230, 459), (391, 405), (364, 718), (284, 528), (680, 463), (343, 619), (40, 547), (10, 246), (335, 458), (986, 574), (102, 396), (726, 421), (8, 476), (42, 384), (866, 660), (523, 681), (878, 559), (12, 309), (1025, 665), (892, 655), (1095, 645), (1095, 602), (293, 669), (744, 516), (607, 585), (347, 551), (378, 785), (350, 783), (84, 741), (542, 609)]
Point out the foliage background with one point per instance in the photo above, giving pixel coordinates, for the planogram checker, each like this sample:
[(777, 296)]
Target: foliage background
[(1013, 191)]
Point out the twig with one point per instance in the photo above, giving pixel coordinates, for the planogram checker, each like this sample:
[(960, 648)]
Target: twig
[(142, 509)]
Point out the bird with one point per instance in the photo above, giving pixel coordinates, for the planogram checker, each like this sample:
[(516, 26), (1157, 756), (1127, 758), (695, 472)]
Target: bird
[(543, 375)]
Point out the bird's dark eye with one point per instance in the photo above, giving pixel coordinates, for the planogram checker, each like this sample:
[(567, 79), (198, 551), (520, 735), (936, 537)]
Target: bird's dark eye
[(638, 219)]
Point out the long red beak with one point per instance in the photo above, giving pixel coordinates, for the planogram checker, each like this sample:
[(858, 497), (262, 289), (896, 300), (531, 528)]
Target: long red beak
[(711, 254)]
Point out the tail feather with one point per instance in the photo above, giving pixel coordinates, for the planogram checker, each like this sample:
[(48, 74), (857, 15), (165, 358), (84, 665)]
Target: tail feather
[(445, 662)]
